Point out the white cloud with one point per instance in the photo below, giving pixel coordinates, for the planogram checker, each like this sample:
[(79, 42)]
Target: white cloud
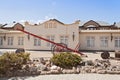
[(48, 17)]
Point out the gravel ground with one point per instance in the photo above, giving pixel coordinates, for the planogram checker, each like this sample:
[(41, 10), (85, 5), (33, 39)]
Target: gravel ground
[(91, 56), (71, 77)]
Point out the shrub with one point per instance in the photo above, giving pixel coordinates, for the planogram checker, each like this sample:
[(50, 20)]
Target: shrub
[(11, 62), (66, 60)]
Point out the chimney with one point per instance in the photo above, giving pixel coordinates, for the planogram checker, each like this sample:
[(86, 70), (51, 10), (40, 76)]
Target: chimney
[(14, 22), (26, 23), (77, 22), (114, 23)]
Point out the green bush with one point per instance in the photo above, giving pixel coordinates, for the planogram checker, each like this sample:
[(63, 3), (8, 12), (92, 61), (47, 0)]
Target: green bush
[(10, 62), (66, 60)]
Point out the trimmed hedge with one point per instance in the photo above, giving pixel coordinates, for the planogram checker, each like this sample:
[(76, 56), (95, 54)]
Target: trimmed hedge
[(66, 60)]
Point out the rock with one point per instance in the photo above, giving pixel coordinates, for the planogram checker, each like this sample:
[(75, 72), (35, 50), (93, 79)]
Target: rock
[(42, 67), (101, 71), (118, 68), (74, 69), (117, 72), (82, 63), (45, 72), (38, 72), (48, 68), (113, 72), (55, 72), (78, 69), (42, 61), (98, 69), (48, 63), (59, 69), (33, 69), (93, 70), (68, 71), (54, 67), (89, 63)]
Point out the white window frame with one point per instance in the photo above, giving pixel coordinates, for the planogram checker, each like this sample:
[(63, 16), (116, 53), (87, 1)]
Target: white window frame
[(104, 41), (10, 40), (117, 42), (90, 41), (51, 38), (37, 42), (20, 40), (91, 27), (64, 39)]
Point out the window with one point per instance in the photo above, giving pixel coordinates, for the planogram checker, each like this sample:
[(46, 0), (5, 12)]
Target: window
[(104, 41), (10, 40), (91, 27), (51, 38), (1, 40), (90, 41), (117, 42), (37, 42), (20, 40), (50, 25), (64, 39)]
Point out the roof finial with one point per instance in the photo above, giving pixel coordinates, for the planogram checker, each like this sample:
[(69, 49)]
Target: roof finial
[(78, 21), (114, 23)]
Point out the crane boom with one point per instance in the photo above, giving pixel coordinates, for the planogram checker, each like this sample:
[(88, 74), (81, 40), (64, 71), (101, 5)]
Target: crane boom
[(50, 41)]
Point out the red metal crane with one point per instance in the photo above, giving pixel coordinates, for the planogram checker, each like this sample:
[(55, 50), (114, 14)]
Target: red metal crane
[(50, 41)]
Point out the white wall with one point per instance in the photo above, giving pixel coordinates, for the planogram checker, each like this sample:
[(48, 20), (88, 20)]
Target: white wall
[(97, 35), (61, 29), (15, 40)]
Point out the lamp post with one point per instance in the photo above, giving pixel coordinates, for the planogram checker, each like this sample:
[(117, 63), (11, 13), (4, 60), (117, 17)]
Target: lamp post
[(73, 36), (111, 37), (28, 37), (4, 36)]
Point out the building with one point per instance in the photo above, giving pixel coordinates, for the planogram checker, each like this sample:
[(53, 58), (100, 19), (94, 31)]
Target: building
[(52, 30), (99, 36), (91, 35)]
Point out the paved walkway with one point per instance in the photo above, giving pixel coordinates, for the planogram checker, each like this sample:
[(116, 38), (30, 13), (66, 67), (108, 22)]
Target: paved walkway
[(71, 77)]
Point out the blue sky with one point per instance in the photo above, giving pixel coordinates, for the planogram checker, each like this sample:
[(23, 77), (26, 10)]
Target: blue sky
[(66, 11)]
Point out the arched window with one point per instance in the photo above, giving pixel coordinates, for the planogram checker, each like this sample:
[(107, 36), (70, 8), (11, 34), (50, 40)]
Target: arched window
[(91, 27)]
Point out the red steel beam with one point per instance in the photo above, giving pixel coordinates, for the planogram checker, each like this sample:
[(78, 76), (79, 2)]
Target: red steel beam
[(50, 41)]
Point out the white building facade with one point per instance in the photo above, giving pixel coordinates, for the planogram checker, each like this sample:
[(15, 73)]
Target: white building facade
[(90, 35), (52, 30)]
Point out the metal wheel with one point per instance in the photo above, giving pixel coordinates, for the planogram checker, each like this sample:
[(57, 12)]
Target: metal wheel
[(56, 49)]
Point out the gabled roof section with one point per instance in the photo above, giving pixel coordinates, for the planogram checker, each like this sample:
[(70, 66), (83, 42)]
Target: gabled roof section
[(102, 23), (54, 20), (12, 26), (91, 22), (18, 25), (97, 23)]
